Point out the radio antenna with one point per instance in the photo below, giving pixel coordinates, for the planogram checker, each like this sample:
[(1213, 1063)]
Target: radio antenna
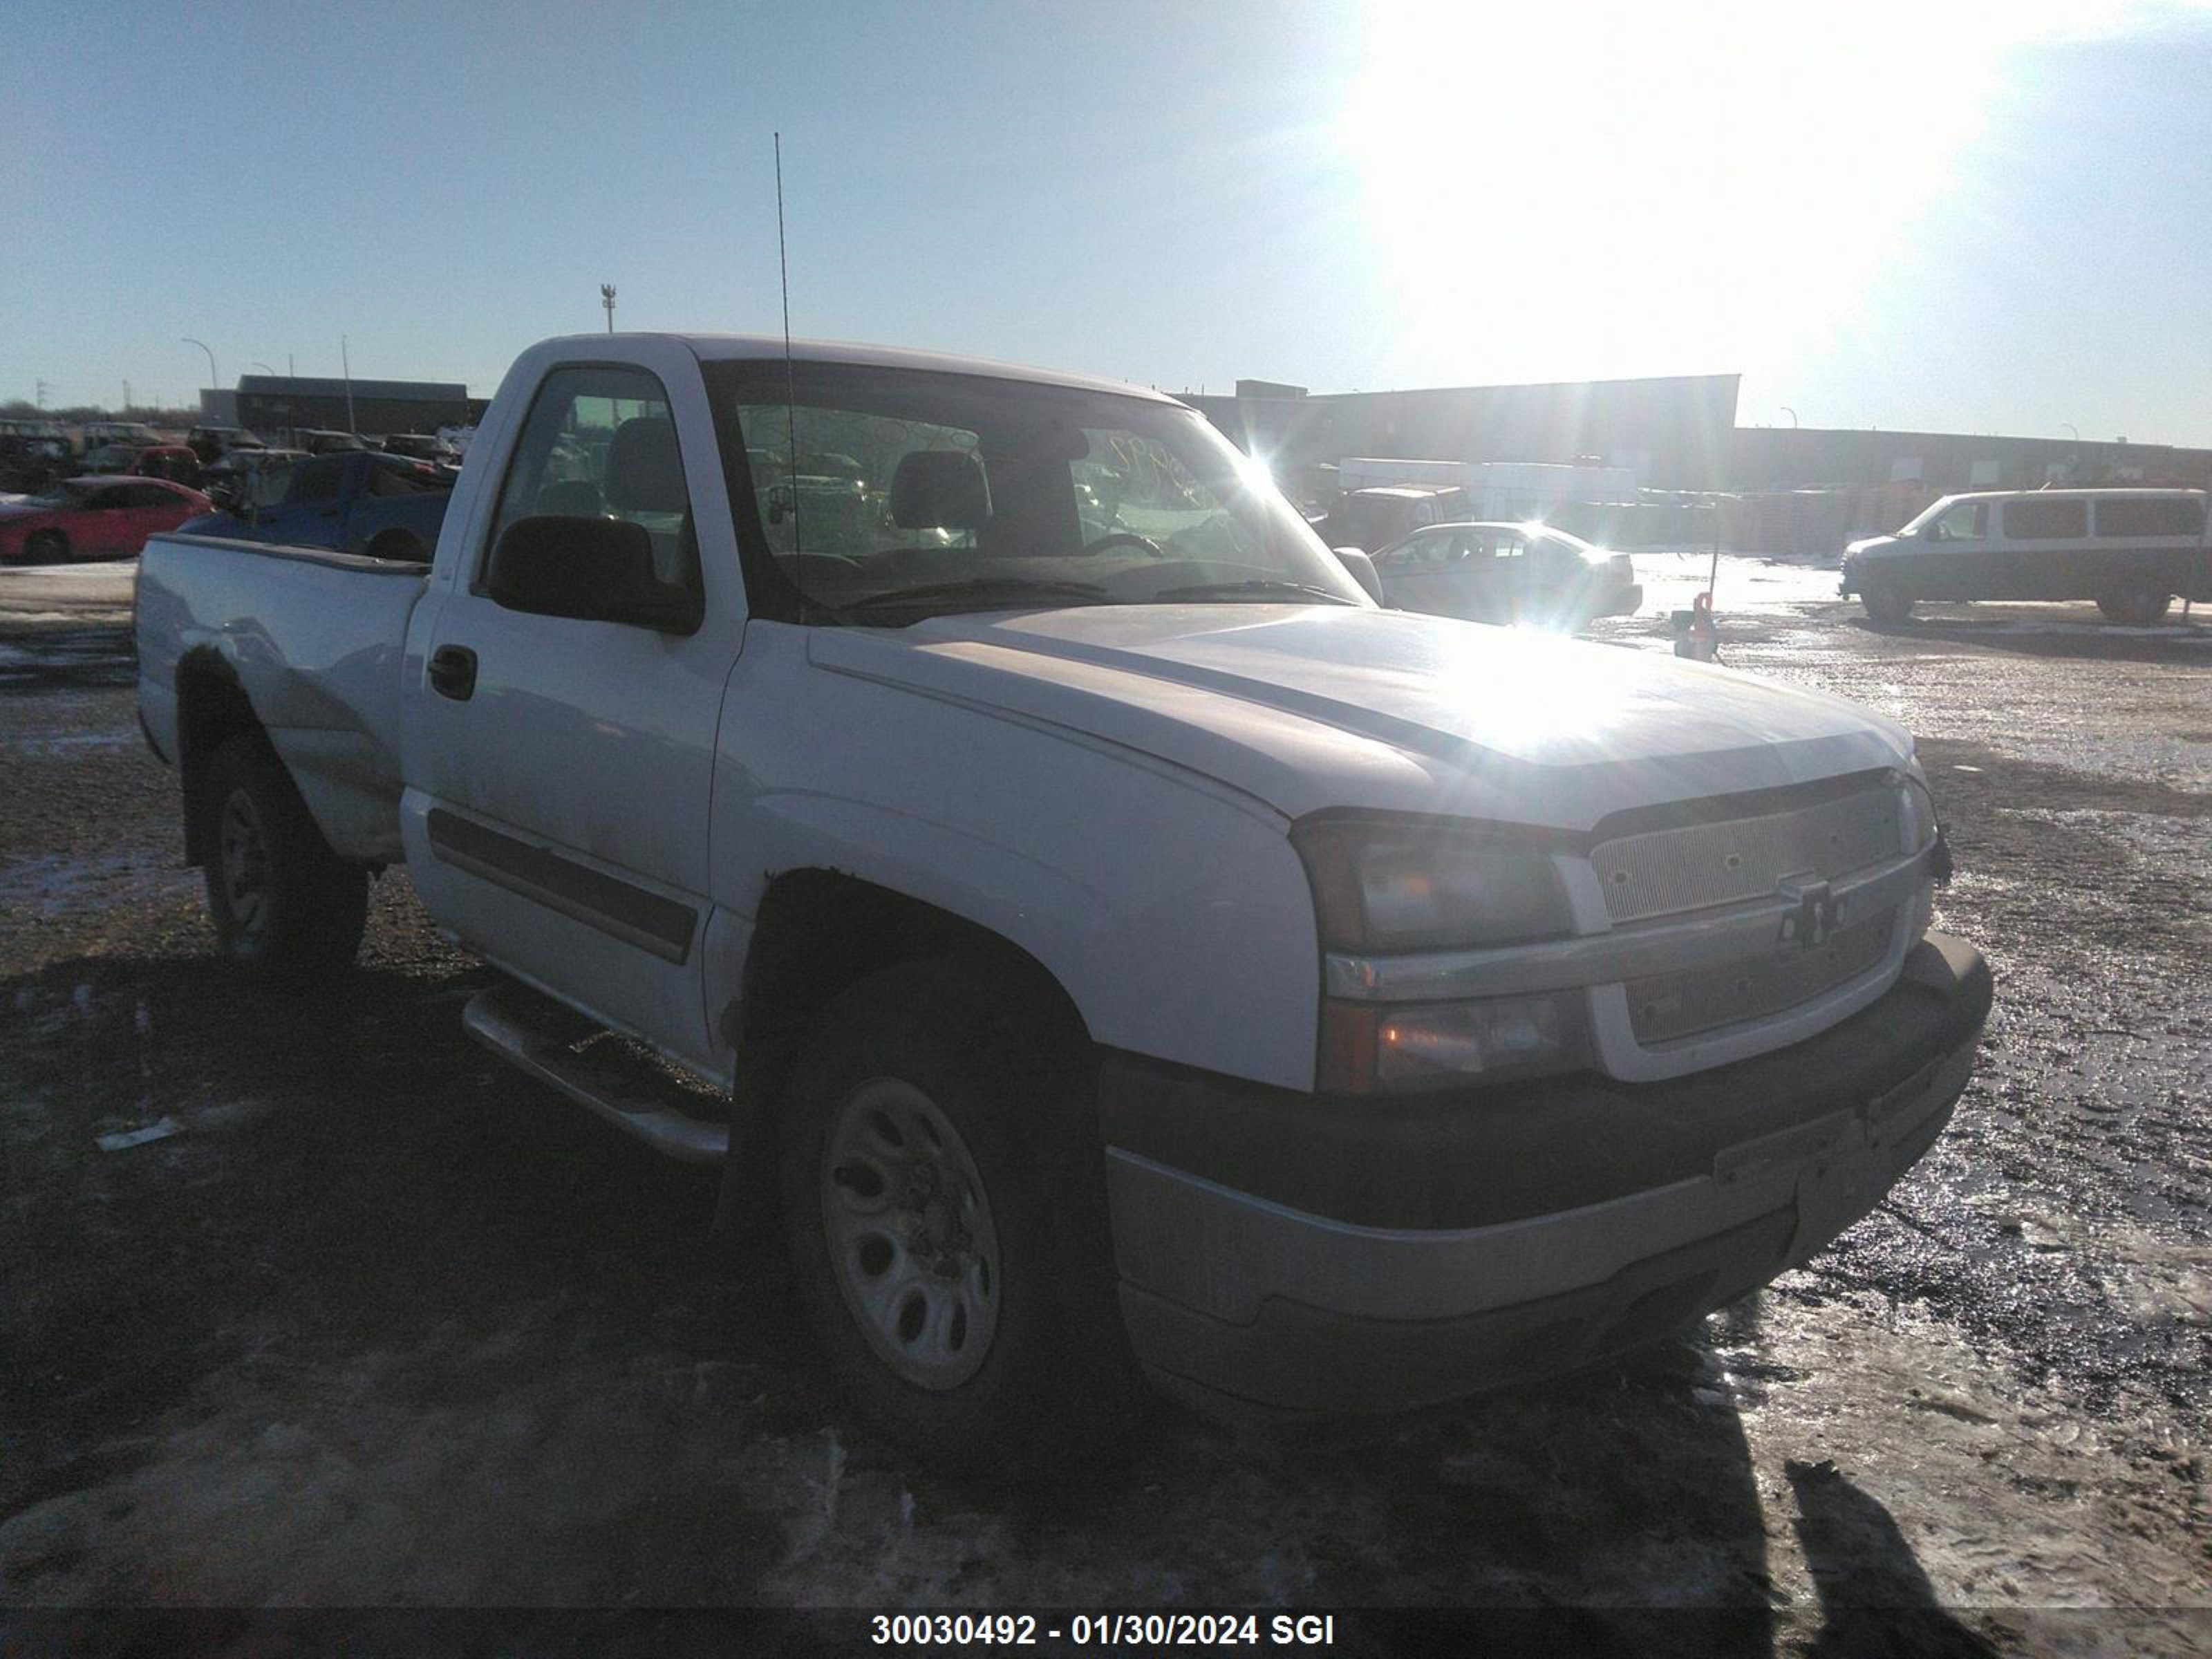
[(790, 375)]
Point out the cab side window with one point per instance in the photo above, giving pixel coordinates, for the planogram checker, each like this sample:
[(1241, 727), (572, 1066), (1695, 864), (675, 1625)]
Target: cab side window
[(601, 442), (1969, 521), (2028, 519), (1424, 551)]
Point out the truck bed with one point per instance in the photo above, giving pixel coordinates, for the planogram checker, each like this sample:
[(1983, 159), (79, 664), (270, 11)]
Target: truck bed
[(314, 639)]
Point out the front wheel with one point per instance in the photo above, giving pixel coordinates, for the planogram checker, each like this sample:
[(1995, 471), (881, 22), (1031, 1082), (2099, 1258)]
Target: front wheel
[(284, 906), (1886, 605), (2135, 605), (942, 1196)]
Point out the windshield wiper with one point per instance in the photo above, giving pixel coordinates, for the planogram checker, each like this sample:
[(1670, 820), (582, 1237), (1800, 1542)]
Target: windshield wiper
[(978, 594), (1260, 588)]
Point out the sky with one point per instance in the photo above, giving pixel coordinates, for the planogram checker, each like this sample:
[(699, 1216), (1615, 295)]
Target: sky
[(1961, 217)]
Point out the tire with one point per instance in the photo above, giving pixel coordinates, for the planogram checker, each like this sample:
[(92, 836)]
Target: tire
[(943, 1194), (2135, 604), (1886, 605), (47, 547), (284, 906)]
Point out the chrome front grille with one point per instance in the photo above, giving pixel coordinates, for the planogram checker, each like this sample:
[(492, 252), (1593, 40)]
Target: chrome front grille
[(1664, 872), (1704, 942), (1665, 1006)]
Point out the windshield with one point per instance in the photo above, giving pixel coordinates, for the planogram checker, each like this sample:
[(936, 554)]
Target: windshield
[(1930, 516), (880, 495)]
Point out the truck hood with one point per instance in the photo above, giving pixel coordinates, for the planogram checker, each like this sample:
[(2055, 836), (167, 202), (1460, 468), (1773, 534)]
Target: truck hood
[(1306, 706), (1876, 546)]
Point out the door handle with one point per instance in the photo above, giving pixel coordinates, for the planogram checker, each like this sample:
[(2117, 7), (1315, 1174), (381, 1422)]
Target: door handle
[(452, 672)]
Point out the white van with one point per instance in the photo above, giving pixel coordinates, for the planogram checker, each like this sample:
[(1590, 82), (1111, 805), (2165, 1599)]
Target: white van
[(2131, 551)]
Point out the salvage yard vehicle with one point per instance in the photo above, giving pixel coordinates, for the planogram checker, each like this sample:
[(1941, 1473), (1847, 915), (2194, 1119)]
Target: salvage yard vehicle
[(91, 517), (171, 461), (324, 440), (1507, 573), (37, 431), (235, 468), (2131, 551), (1098, 946), (30, 462), (1380, 514), (353, 502), (422, 446), (212, 443), (96, 434)]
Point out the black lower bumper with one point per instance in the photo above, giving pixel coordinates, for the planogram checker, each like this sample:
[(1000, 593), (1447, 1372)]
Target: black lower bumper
[(1348, 1256)]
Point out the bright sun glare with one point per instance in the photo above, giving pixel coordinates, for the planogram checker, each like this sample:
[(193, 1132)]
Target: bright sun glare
[(1570, 189)]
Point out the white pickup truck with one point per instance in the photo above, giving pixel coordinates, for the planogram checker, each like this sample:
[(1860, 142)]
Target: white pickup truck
[(1106, 934)]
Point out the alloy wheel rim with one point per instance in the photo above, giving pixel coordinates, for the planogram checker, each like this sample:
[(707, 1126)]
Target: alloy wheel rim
[(912, 1243), (245, 859)]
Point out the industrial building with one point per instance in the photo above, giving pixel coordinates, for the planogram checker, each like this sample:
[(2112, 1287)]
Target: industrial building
[(275, 402), (1674, 432), (1789, 458), (1677, 434)]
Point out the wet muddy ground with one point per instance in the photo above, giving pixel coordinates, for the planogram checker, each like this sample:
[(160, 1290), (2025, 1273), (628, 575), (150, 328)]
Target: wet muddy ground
[(384, 1323)]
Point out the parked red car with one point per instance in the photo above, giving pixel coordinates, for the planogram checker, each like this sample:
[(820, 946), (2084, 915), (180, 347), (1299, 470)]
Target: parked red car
[(88, 518)]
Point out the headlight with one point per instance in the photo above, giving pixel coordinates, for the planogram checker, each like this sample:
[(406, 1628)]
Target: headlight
[(1385, 884)]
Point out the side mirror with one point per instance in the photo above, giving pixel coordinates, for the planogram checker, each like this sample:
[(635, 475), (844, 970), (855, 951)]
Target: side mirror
[(1363, 570), (587, 569)]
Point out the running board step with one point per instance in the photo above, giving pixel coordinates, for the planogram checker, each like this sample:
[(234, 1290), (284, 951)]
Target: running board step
[(594, 1067)]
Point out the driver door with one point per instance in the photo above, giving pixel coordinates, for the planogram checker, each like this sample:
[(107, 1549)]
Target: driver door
[(120, 524), (563, 765), (1420, 573), (1962, 559)]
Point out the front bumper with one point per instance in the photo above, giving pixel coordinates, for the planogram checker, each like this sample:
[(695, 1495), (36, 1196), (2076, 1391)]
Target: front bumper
[(1621, 601), (1297, 1255)]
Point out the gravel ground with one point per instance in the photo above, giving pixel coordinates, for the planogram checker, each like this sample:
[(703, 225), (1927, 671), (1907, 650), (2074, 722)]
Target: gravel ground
[(385, 1324)]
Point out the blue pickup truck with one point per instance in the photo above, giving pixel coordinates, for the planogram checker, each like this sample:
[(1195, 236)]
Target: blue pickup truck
[(386, 506)]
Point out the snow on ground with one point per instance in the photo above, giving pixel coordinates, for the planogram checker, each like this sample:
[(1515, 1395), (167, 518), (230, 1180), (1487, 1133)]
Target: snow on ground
[(49, 594)]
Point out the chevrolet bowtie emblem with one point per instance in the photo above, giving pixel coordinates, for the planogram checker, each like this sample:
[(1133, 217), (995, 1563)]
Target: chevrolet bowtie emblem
[(1811, 921)]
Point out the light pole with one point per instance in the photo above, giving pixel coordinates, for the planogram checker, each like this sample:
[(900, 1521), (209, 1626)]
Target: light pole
[(1792, 414), (607, 299), (264, 367), (2073, 428), (214, 380), (345, 362)]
